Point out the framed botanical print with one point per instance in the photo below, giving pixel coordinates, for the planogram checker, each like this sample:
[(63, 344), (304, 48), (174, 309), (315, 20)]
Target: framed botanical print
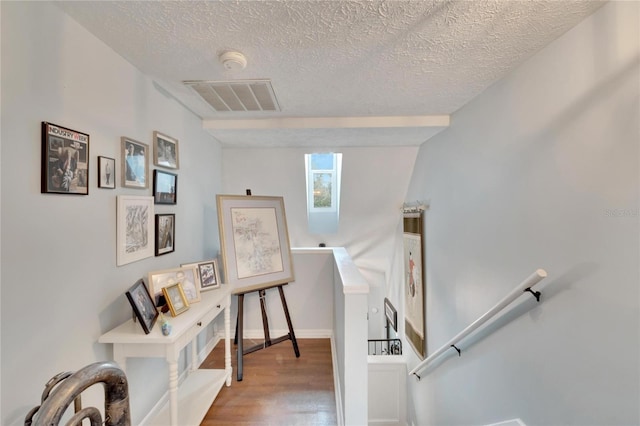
[(414, 285), (135, 163), (65, 160), (255, 241), (134, 228)]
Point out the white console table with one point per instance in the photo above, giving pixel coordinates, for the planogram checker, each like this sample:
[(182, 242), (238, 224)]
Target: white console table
[(189, 402)]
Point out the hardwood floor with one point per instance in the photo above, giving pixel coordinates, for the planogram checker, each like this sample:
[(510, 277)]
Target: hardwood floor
[(277, 388)]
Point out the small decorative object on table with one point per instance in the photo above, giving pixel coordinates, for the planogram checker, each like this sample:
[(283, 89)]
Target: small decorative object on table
[(165, 325)]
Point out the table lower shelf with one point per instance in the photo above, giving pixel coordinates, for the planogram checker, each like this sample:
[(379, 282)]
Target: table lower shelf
[(195, 396)]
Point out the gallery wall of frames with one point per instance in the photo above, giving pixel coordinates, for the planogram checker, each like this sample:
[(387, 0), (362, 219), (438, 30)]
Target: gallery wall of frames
[(140, 232)]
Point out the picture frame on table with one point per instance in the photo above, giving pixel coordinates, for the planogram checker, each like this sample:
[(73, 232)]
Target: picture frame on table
[(65, 160), (184, 275), (176, 299), (256, 252), (106, 172), (165, 151), (208, 274), (165, 233), (142, 305), (134, 228), (165, 187), (135, 163)]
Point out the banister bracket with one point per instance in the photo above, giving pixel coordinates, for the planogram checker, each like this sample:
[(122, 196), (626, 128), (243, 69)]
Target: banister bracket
[(456, 348), (536, 294)]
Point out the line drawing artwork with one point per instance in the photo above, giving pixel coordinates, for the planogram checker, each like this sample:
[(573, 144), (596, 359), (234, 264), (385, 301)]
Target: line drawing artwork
[(137, 238), (257, 244)]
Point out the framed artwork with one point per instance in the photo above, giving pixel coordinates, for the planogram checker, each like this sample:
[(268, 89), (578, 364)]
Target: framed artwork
[(143, 306), (165, 233), (106, 172), (165, 152), (134, 228), (414, 286), (176, 299), (165, 187), (186, 276), (255, 241), (135, 163), (208, 275), (65, 160)]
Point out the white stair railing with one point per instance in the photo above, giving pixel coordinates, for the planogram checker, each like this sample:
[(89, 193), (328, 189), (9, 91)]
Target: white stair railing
[(524, 286)]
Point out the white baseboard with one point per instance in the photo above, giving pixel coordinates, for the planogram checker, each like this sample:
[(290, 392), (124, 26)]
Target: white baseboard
[(512, 422), (300, 334)]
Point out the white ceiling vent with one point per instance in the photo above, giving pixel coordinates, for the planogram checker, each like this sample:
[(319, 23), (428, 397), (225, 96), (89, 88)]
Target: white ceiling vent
[(237, 96)]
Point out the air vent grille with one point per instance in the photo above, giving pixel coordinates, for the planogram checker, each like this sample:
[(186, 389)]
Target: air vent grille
[(237, 96)]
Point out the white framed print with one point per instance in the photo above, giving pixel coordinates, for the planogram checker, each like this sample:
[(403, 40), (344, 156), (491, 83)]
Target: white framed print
[(134, 228)]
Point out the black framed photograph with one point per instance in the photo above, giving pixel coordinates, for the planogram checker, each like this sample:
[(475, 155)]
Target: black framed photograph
[(208, 274), (65, 160), (165, 187), (143, 306), (106, 172), (165, 152), (135, 163), (165, 233)]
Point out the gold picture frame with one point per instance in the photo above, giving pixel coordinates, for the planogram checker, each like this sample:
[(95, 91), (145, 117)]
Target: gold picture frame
[(176, 299)]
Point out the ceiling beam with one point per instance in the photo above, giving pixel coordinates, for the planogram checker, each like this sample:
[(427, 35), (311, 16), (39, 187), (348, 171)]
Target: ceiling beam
[(329, 122)]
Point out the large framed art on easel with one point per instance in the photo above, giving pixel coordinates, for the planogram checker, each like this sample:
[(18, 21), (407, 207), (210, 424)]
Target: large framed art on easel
[(255, 241), (414, 285)]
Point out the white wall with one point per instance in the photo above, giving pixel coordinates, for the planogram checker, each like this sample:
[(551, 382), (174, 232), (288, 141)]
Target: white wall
[(374, 182), (539, 171), (61, 288), (309, 300)]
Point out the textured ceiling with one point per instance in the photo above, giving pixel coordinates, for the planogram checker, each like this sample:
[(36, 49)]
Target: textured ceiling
[(331, 58)]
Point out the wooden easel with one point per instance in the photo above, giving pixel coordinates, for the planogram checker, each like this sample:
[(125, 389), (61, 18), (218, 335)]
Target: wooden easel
[(265, 324), (262, 292)]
